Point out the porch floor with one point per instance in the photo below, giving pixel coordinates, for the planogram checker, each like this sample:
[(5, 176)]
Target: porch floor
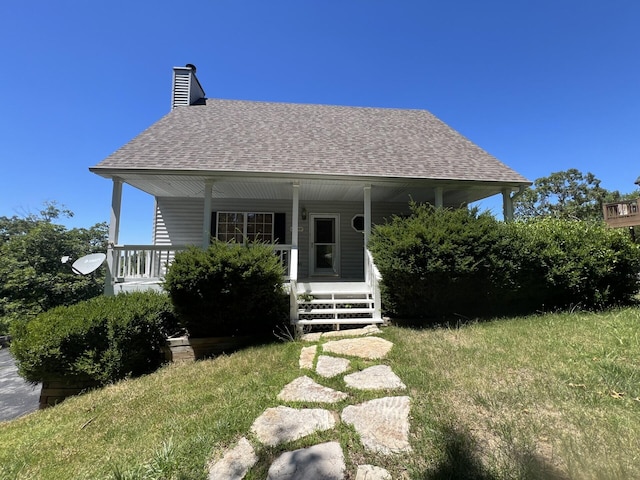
[(138, 285), (319, 285)]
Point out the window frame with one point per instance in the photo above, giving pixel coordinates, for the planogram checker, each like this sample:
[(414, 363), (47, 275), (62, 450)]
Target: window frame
[(245, 226)]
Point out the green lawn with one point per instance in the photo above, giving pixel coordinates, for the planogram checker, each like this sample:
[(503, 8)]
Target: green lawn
[(550, 396)]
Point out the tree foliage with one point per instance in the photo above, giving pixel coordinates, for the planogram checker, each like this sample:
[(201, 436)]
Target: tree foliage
[(568, 194), (32, 277)]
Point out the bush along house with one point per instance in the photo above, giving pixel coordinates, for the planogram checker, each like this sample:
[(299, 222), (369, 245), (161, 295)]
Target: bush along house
[(309, 179)]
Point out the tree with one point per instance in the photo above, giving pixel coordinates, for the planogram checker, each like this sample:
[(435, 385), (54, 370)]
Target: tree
[(32, 277), (566, 194)]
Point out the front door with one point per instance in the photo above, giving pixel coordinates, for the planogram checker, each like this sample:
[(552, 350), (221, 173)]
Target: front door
[(325, 244)]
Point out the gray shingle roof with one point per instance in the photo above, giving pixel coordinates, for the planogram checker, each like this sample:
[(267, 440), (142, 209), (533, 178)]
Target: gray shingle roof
[(263, 137)]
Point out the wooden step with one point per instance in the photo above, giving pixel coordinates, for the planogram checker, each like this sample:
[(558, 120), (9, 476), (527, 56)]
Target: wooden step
[(336, 311), (341, 321), (335, 303)]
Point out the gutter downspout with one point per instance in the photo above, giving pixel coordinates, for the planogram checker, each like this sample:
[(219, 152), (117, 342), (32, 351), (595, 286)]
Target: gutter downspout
[(508, 202)]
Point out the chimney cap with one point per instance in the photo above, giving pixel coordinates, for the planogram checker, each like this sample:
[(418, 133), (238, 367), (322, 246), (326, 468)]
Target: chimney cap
[(191, 66)]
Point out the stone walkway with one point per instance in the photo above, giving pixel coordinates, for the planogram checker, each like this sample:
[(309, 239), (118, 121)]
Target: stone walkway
[(382, 423)]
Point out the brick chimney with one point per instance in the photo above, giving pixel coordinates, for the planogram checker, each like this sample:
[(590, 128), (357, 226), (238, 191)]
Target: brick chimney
[(186, 87)]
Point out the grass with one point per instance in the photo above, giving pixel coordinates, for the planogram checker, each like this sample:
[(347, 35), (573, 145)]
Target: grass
[(551, 396)]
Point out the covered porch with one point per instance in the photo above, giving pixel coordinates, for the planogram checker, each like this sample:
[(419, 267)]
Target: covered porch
[(330, 274)]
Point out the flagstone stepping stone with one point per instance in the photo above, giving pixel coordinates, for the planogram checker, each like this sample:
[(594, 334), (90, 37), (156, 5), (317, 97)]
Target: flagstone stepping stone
[(304, 389), (235, 464), (306, 356), (283, 424), (369, 472), (331, 366), (320, 462), (383, 424), (311, 337), (378, 377), (353, 332), (367, 347)]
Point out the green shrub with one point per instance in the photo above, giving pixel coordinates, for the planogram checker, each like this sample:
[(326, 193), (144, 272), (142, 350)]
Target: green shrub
[(554, 263), (103, 339), (228, 289), (436, 262), (5, 322)]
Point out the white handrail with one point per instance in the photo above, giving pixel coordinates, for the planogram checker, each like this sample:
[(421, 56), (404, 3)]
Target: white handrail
[(293, 286), (373, 278), (285, 254)]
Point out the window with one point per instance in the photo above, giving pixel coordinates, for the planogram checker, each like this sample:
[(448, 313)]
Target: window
[(241, 226)]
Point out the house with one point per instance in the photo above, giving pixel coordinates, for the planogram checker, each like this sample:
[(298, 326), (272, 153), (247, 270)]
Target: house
[(310, 179), (623, 213)]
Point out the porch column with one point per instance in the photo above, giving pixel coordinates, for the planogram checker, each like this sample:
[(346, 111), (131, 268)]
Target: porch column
[(295, 214), (439, 201), (507, 205), (367, 229), (206, 219), (367, 214), (114, 232), (293, 259), (295, 227)]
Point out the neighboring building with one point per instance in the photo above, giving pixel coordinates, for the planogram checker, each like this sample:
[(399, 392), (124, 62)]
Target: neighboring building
[(623, 213), (311, 179)]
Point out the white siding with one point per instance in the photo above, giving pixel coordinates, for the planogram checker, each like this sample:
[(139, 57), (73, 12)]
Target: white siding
[(351, 241), (178, 221)]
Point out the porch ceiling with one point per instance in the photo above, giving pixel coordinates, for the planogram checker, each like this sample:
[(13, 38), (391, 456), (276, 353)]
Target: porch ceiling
[(311, 189)]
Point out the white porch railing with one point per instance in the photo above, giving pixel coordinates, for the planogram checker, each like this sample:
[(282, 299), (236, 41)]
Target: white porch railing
[(139, 262), (373, 277), (136, 262), (286, 253)]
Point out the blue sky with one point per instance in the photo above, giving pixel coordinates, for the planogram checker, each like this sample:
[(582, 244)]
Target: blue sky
[(543, 85)]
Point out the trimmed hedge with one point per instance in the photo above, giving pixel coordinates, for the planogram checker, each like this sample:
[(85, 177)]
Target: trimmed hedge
[(436, 262), (439, 263), (228, 289), (104, 339), (550, 263)]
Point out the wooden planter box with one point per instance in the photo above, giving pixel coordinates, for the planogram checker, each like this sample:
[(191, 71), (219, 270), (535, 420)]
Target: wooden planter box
[(56, 390), (190, 349)]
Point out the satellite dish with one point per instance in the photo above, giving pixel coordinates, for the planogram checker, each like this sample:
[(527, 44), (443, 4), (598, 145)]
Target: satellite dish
[(89, 263)]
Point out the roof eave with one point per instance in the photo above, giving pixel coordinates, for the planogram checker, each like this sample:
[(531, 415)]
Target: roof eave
[(108, 172)]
